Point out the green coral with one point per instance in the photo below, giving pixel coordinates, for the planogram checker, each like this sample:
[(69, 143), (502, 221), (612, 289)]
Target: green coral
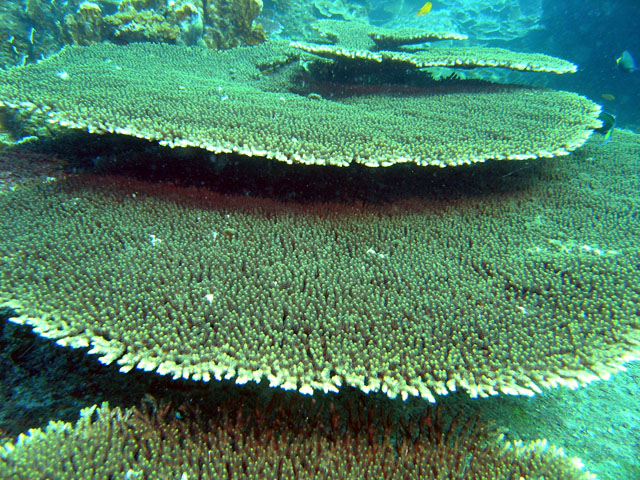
[(417, 297), (385, 48), (84, 26), (216, 24), (131, 25), (281, 438), (231, 23), (224, 102)]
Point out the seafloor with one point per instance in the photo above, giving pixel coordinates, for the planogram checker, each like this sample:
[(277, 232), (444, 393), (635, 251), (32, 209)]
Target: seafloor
[(41, 381)]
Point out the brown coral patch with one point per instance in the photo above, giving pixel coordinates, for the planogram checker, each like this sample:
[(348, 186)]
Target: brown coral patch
[(285, 437)]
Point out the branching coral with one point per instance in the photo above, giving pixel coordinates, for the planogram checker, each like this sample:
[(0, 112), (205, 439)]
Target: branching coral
[(283, 437)]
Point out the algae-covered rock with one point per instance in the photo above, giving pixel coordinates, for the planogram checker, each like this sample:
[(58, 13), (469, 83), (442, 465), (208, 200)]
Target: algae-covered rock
[(231, 23), (85, 25), (39, 28), (130, 25)]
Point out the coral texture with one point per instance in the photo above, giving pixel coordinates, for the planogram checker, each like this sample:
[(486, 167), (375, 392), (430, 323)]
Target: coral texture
[(286, 438), (85, 25), (489, 291), (224, 102), (215, 24), (232, 23), (352, 40)]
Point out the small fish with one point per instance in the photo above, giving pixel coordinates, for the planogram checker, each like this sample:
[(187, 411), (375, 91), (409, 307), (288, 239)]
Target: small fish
[(608, 97), (424, 9), (608, 124), (268, 18), (625, 62)]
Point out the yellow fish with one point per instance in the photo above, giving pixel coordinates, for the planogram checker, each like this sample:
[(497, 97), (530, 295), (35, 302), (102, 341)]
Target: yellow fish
[(424, 9), (608, 96)]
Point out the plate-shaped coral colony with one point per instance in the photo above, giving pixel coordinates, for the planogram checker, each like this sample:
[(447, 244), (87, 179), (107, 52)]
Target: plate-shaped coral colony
[(277, 437), (245, 100)]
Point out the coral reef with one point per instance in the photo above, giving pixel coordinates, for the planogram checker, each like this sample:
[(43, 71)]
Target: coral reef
[(42, 381), (235, 113), (85, 25), (381, 46), (214, 24), (319, 296), (132, 25), (38, 28), (493, 20), (483, 279), (278, 437), (231, 23)]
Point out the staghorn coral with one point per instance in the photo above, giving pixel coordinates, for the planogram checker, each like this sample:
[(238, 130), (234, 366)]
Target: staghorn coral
[(465, 57), (284, 437), (490, 290), (225, 103)]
